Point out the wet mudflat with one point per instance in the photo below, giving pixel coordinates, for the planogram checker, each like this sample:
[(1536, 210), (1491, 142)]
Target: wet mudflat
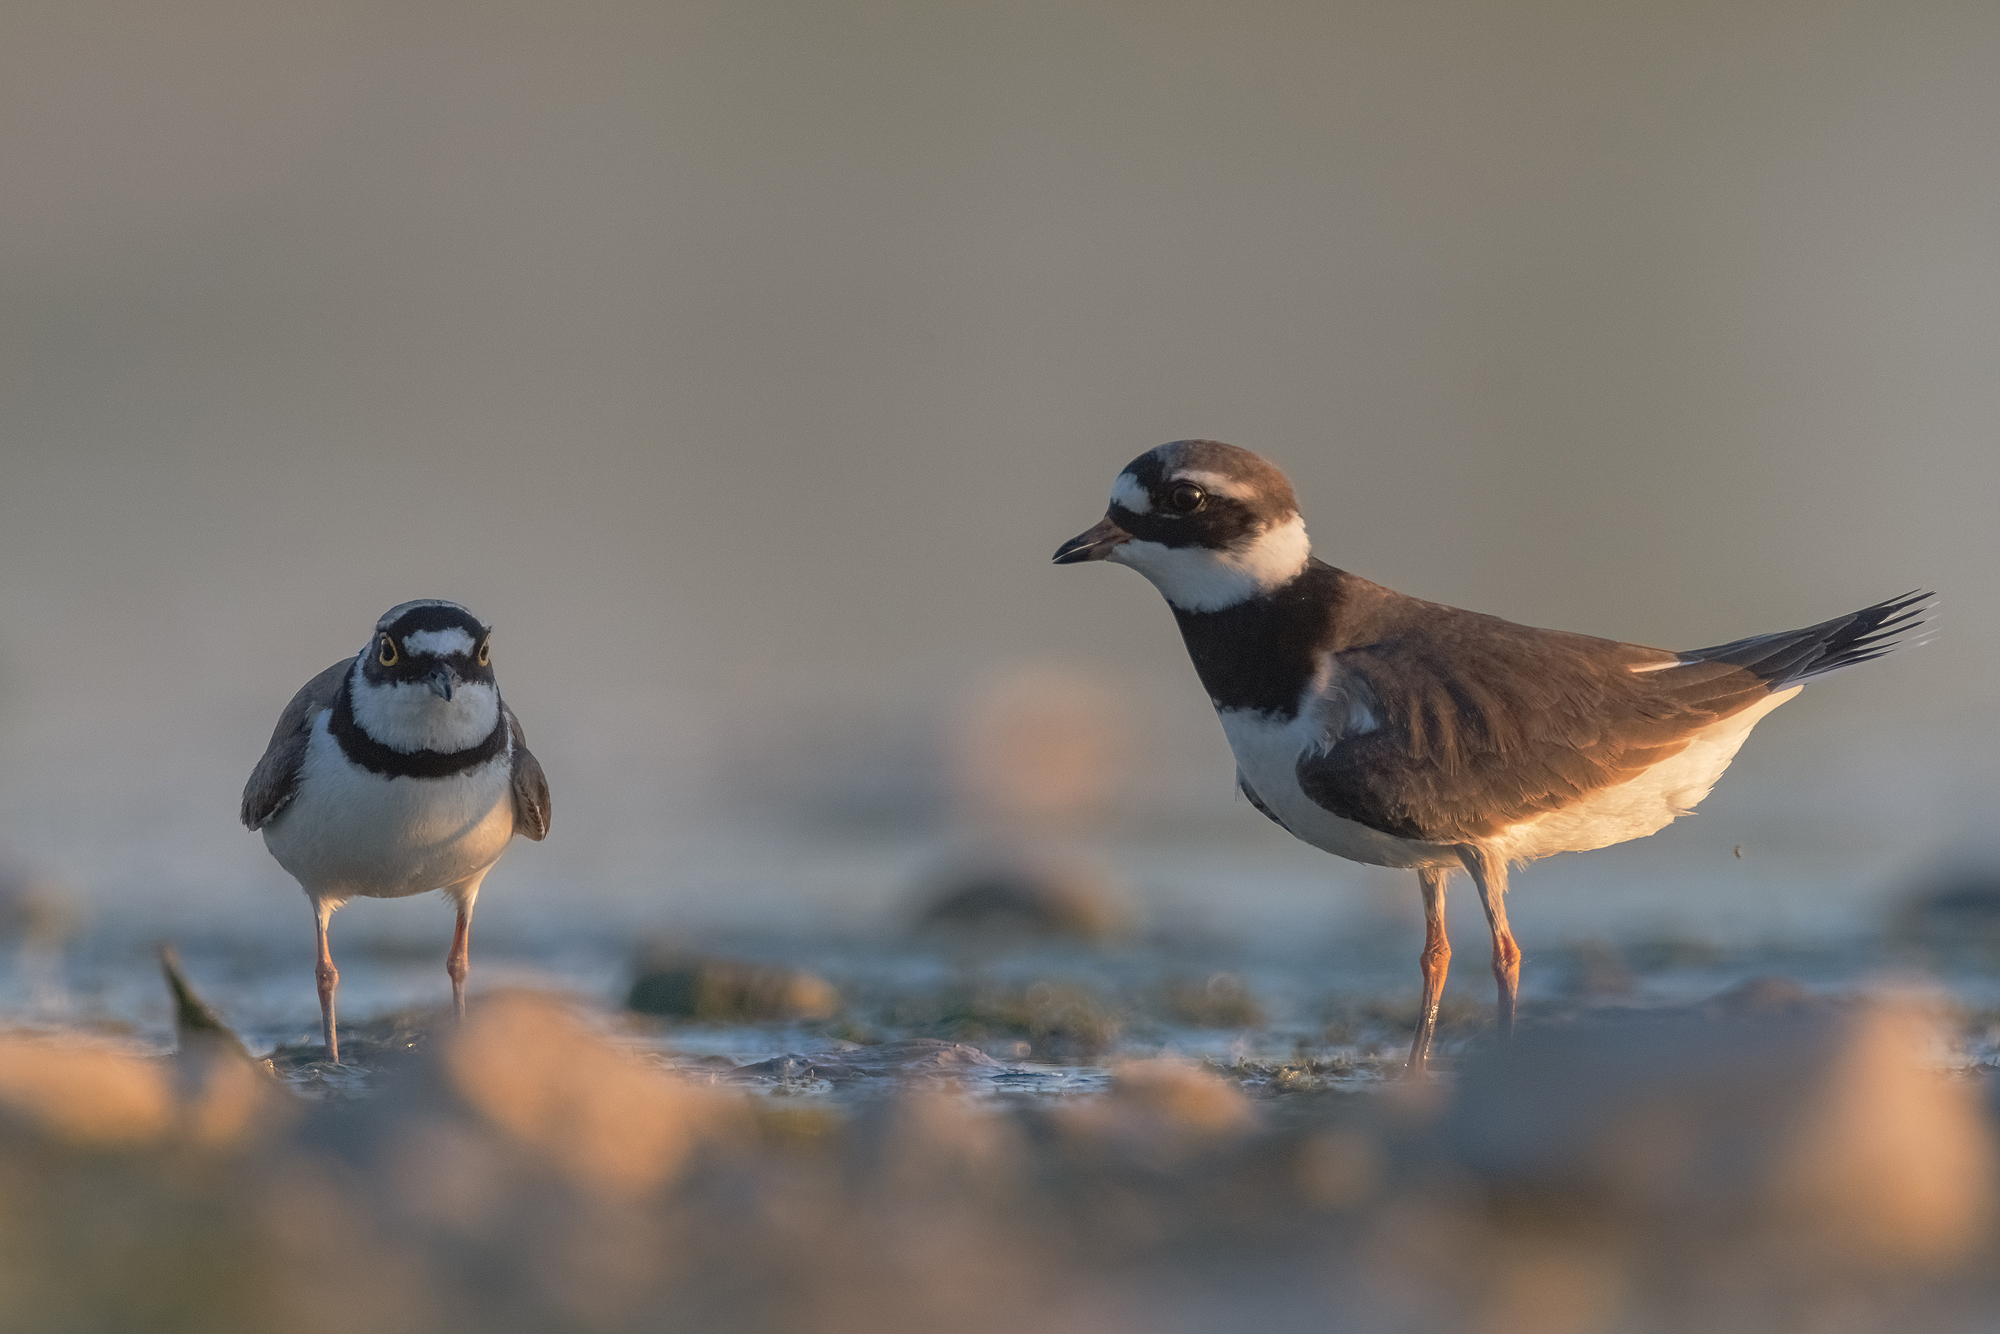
[(799, 1017), (891, 1136)]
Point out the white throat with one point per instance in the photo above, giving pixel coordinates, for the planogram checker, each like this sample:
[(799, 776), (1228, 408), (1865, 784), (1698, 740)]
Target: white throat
[(410, 717), (1203, 579)]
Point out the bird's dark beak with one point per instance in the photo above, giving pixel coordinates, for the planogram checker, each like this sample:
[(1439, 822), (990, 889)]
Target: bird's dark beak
[(1096, 544), (441, 680)]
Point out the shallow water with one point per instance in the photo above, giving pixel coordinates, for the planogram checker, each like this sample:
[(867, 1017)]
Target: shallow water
[(1035, 1021)]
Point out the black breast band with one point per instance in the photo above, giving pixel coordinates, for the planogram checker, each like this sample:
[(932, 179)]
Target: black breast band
[(377, 758)]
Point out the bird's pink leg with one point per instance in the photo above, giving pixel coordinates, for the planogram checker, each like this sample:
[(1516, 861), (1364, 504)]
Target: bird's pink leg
[(1489, 873), (329, 981), (459, 962), (1434, 963)]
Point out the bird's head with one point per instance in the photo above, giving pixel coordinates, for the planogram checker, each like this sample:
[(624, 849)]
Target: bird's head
[(425, 678), (1210, 524)]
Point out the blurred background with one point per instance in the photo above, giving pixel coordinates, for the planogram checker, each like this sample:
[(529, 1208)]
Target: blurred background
[(743, 363)]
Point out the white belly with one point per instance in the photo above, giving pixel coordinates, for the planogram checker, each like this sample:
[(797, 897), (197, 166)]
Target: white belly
[(1267, 751), (350, 833), (1643, 805)]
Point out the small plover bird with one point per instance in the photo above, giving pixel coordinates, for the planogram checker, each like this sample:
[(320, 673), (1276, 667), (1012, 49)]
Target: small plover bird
[(1398, 732), (397, 771)]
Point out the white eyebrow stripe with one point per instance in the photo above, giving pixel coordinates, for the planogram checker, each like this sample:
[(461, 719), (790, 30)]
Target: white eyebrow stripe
[(1216, 484), (1127, 492), (438, 643)]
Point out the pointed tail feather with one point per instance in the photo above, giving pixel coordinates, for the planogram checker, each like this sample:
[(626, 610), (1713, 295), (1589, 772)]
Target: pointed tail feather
[(1789, 657)]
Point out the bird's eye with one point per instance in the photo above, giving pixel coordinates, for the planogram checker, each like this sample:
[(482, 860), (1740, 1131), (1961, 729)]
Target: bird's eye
[(386, 654), (485, 652), (1186, 498)]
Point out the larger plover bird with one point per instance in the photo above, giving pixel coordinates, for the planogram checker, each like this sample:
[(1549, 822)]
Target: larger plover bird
[(397, 771), (1399, 732)]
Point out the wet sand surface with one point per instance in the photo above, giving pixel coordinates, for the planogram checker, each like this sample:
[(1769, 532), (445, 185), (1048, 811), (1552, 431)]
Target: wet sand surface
[(1033, 1019), (1023, 1019)]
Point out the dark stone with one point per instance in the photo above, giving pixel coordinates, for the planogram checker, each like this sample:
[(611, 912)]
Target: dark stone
[(1020, 903), (1957, 912), (729, 990), (1760, 996)]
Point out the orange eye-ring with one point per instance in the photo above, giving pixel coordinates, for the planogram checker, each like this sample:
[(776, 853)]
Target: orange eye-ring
[(485, 651), (388, 656)]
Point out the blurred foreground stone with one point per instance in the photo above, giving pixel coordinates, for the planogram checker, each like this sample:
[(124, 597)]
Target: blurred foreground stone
[(1806, 1171), (1823, 1129), (1159, 1112), (1794, 1168), (82, 1093)]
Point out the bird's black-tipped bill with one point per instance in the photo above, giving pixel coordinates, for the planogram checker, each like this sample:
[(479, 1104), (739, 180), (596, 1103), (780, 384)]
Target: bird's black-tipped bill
[(441, 680), (1096, 544)]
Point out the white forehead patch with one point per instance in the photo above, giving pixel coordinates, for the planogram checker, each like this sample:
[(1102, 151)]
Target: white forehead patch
[(1216, 484), (1126, 491), (438, 643)]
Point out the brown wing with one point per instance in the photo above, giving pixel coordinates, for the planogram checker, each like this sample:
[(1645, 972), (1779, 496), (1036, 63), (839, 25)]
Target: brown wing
[(275, 780), (1479, 723), (531, 787)]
